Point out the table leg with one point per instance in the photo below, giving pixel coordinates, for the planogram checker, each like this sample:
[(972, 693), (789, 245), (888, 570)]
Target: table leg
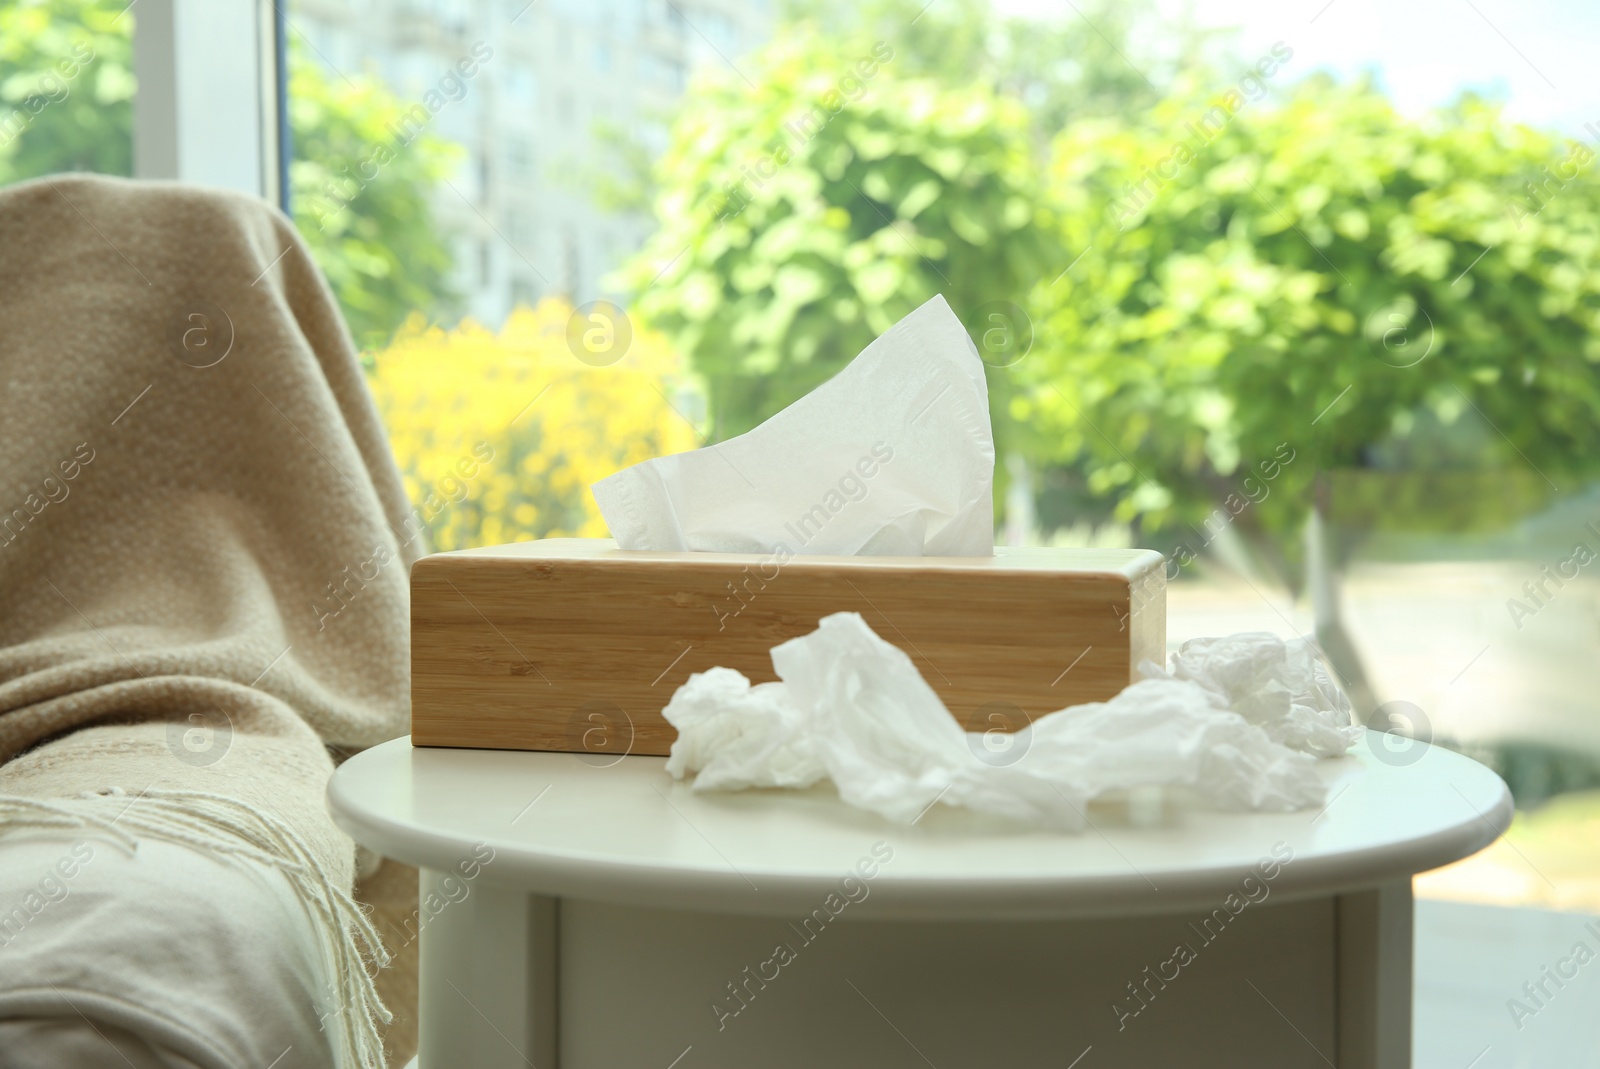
[(487, 977), (1374, 946)]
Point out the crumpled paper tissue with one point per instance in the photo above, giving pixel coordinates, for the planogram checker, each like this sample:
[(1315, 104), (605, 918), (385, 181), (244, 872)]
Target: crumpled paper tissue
[(1279, 686), (892, 456), (1238, 722)]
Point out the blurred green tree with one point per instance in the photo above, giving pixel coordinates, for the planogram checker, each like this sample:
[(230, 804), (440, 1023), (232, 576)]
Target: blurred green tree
[(66, 88), (1086, 60), (964, 83), (1072, 66), (361, 185), (801, 216), (1265, 294)]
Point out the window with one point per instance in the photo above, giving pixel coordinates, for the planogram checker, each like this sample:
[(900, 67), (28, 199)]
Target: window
[(720, 30), (525, 290), (1308, 306), (1400, 515), (523, 229), (667, 72), (522, 86), (519, 156), (496, 203)]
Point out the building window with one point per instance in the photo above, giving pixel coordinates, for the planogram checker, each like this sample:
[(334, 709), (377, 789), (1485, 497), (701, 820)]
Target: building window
[(522, 85), (519, 157), (525, 291)]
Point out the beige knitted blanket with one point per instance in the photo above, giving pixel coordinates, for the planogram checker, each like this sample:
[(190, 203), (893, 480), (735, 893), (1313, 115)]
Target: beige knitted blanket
[(204, 543)]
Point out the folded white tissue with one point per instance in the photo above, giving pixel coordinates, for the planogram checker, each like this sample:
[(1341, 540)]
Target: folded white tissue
[(893, 456), (1238, 721)]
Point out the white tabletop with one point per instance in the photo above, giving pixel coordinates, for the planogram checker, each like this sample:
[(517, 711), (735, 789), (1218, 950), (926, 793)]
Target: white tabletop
[(623, 831)]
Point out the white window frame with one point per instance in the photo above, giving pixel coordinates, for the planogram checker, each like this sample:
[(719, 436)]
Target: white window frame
[(207, 107)]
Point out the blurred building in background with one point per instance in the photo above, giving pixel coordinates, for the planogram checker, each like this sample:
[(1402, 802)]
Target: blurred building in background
[(534, 118)]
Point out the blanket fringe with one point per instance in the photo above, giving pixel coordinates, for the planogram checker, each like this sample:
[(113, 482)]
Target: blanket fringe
[(219, 825)]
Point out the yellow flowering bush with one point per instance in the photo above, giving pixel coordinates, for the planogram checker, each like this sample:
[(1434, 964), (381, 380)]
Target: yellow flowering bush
[(500, 434)]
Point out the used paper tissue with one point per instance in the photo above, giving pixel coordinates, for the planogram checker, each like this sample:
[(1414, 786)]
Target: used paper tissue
[(1237, 722), (909, 416)]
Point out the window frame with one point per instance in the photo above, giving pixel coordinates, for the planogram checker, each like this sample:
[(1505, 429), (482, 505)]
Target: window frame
[(210, 104)]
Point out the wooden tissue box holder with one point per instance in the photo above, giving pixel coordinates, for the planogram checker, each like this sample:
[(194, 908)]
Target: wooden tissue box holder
[(574, 645)]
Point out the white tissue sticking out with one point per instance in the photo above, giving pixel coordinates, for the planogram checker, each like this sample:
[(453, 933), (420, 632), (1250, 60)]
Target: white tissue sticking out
[(852, 708), (1282, 686), (892, 456)]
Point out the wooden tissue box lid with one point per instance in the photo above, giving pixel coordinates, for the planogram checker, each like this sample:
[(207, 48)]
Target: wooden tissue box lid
[(574, 645)]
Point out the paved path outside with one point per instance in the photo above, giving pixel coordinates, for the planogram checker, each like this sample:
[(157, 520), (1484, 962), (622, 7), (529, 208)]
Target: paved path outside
[(1472, 960)]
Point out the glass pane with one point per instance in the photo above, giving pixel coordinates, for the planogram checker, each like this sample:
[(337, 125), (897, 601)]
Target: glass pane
[(1306, 307), (471, 177), (66, 87), (1272, 288)]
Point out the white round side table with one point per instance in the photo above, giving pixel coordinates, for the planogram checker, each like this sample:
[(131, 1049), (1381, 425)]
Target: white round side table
[(590, 912)]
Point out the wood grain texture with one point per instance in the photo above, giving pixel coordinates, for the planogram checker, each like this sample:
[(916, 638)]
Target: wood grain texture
[(573, 645)]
